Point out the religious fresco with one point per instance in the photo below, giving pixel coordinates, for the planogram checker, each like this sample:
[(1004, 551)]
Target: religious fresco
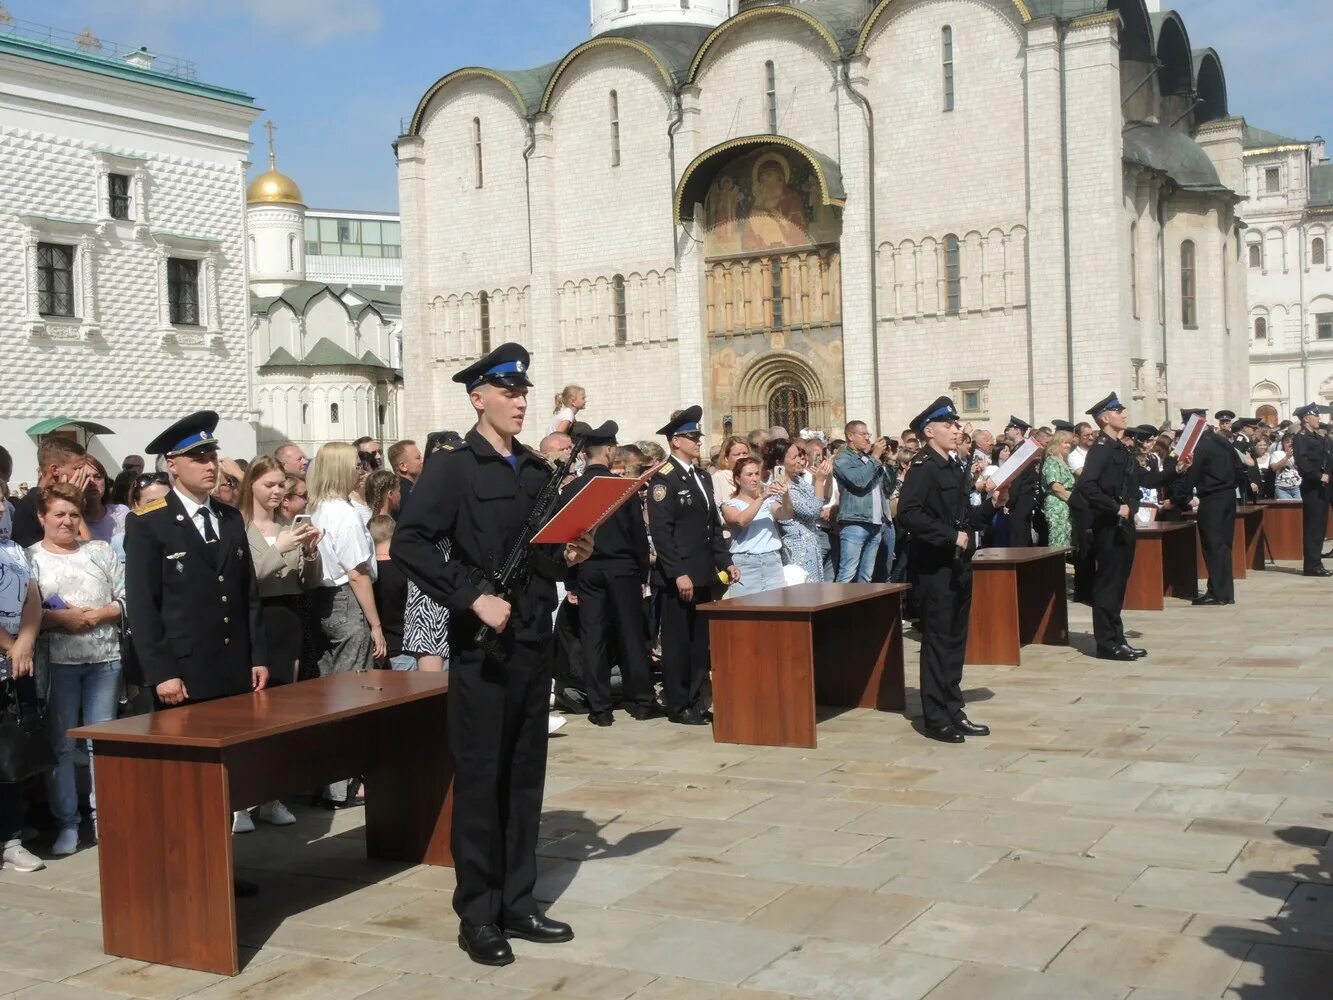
[(766, 201)]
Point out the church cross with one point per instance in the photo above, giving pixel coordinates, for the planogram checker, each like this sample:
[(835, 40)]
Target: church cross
[(272, 156)]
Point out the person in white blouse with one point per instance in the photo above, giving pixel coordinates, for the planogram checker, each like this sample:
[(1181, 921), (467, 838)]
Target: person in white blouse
[(571, 401)]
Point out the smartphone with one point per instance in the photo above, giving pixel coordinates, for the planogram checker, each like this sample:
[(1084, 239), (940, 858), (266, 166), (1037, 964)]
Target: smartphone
[(300, 521), (780, 474)]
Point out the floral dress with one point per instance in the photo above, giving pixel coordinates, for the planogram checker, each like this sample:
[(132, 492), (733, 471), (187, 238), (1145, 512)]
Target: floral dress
[(1057, 510), (800, 538)]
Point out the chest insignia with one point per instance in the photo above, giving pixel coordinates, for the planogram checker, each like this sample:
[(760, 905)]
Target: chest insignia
[(659, 493)]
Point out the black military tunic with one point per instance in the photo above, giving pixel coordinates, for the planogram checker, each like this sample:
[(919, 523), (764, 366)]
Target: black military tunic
[(935, 505), (687, 533), (477, 500), (194, 604), (1110, 480), (1023, 506), (1216, 473), (1313, 463), (609, 587)]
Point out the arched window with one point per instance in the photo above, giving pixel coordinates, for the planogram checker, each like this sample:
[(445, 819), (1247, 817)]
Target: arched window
[(946, 39), (771, 96), (254, 255), (380, 413), (615, 129), (1189, 312), (953, 275), (484, 302), (333, 413), (1256, 255), (1134, 267), (291, 253), (619, 315), (476, 149), (1260, 329), (789, 407), (1317, 250), (305, 414)]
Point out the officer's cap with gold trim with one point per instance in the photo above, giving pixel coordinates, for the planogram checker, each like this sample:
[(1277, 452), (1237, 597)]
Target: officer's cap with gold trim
[(686, 421), (194, 433), (507, 366)]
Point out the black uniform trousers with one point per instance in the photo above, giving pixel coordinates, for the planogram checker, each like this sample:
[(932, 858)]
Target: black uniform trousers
[(1217, 526), (1113, 554), (611, 603), (685, 655), (497, 717), (1085, 555), (945, 596), (1314, 523)]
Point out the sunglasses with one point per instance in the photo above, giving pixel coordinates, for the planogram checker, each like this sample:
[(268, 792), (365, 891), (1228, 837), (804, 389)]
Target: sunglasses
[(692, 436), (149, 478)]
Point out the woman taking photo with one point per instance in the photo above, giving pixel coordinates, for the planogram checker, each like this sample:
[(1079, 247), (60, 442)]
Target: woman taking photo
[(103, 519), (1057, 484), (82, 585), (752, 515), (805, 499), (571, 401)]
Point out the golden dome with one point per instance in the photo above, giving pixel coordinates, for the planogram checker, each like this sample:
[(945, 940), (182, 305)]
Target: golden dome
[(273, 188)]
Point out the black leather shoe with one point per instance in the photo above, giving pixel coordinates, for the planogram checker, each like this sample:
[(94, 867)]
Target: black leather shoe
[(1206, 601), (969, 728), (707, 714), (646, 712), (1138, 653), (242, 889), (687, 718), (601, 718), (485, 945), (1317, 572), (539, 929), (944, 734), (1123, 653)]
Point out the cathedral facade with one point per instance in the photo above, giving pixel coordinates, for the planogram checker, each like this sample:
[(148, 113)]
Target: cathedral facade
[(808, 212)]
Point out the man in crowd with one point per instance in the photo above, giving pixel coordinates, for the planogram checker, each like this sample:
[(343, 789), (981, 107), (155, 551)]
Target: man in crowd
[(292, 459), (132, 463), (370, 452), (555, 447), (693, 565), (59, 460), (1214, 476), (758, 441), (297, 497), (862, 512), (405, 459), (1023, 491), (1314, 465), (983, 445), (935, 507), (1085, 434)]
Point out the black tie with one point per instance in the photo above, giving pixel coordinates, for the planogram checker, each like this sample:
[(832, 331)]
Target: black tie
[(210, 536)]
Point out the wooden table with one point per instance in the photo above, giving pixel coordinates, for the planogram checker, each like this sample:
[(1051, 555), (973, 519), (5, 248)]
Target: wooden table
[(1284, 525), (1018, 597), (779, 653), (1251, 515), (1166, 560), (167, 784), (1240, 553)]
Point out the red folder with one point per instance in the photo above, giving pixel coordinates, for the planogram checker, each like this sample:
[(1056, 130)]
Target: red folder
[(1189, 437), (596, 500)]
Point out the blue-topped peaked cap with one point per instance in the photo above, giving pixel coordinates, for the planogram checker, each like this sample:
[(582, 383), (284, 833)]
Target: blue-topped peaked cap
[(686, 421), (192, 433), (1311, 409), (507, 366), (942, 410), (1111, 402), (1018, 422)]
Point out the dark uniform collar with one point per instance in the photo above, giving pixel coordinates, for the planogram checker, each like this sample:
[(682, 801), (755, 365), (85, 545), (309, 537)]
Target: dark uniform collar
[(597, 467), (484, 449), (932, 455)]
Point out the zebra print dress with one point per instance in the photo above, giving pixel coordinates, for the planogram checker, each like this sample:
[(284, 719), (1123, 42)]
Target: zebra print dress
[(426, 623)]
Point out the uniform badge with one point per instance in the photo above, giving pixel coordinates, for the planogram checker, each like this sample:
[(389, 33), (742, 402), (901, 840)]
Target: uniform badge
[(659, 493)]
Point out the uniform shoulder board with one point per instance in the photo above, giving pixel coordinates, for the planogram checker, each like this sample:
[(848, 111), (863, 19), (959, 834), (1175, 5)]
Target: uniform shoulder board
[(666, 469), (150, 506), (920, 458)]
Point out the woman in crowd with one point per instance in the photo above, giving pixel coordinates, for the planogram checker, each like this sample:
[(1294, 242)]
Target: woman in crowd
[(805, 499), (1287, 480), (816, 452), (121, 486), (82, 586), (733, 450), (752, 515), (294, 496), (383, 493), (1057, 484), (103, 519), (571, 401)]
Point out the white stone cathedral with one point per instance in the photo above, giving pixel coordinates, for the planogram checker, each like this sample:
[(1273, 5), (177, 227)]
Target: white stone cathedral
[(809, 212)]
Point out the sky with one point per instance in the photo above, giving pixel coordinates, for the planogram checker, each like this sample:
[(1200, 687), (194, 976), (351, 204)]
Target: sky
[(338, 76)]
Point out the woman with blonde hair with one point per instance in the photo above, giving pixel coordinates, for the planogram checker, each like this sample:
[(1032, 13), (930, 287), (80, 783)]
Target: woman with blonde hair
[(1057, 484), (571, 400)]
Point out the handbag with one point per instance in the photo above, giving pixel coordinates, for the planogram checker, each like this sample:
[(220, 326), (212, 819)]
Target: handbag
[(130, 667), (25, 743)]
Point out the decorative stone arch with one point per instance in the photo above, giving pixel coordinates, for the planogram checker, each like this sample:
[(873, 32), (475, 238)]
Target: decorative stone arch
[(699, 175), (601, 42), (771, 373), (754, 13), (1020, 10), (1210, 87), (1176, 75), (459, 75), (1136, 34), (1266, 389)]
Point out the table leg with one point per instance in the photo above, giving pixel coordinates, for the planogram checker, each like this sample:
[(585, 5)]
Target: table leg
[(763, 680), (993, 625), (1255, 538), (1239, 564), (1043, 611), (164, 858), (1180, 556), (1144, 590), (859, 655), (409, 786)]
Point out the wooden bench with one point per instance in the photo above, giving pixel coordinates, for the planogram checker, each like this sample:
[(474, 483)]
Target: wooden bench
[(778, 654), (167, 784), (1166, 559), (1018, 597)]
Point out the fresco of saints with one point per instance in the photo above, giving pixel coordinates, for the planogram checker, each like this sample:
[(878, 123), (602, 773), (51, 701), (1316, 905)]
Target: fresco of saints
[(777, 216)]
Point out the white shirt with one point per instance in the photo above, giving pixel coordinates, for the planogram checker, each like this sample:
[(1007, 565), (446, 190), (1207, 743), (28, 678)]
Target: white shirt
[(1077, 457), (562, 415), (346, 544), (192, 509)]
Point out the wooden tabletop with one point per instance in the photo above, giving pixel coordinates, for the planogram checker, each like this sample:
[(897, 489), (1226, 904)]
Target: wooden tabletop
[(247, 717), (1247, 508), (1010, 556), (1281, 503), (804, 597), (1162, 527)]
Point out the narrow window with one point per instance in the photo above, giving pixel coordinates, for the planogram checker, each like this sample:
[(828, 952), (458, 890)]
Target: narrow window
[(1317, 251), (485, 303), (1256, 255), (118, 196), (183, 291), (476, 149), (1134, 267), (775, 292), (55, 279), (946, 35), (1323, 326), (291, 253), (953, 275), (624, 6), (619, 314), (333, 413), (684, 4), (1260, 329), (1189, 315), (771, 96), (1272, 180), (381, 413), (305, 414), (615, 129)]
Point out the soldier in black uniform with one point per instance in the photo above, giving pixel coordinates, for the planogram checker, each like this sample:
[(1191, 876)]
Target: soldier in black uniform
[(1023, 492), (609, 589), (1214, 476), (477, 498), (935, 507), (1313, 463), (693, 565)]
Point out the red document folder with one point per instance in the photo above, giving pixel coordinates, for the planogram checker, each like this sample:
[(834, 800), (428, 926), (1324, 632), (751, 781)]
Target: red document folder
[(1189, 437), (596, 500)]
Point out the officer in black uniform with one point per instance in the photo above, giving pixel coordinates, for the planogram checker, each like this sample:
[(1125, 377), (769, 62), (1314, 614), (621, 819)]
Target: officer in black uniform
[(693, 565), (1214, 476), (935, 507), (477, 498), (190, 586), (609, 589), (1024, 490), (1313, 463)]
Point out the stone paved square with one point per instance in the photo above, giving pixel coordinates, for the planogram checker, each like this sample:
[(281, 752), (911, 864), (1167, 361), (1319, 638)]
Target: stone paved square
[(1152, 830)]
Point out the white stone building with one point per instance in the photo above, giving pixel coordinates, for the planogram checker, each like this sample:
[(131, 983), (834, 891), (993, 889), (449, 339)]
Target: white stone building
[(808, 211), (325, 318), (1289, 212), (122, 223)]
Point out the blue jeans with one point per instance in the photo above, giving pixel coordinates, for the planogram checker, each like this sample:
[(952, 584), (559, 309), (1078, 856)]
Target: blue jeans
[(403, 661), (888, 538), (858, 546), (81, 694), (1288, 492), (759, 572)]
